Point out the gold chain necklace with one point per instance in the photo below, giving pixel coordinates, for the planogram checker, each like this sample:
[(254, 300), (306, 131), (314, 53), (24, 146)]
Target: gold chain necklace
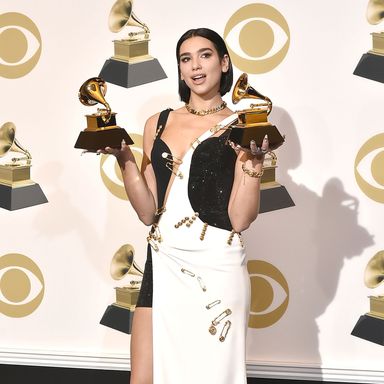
[(204, 112)]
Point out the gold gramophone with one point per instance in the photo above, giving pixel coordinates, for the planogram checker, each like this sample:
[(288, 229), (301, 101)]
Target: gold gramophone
[(123, 264), (119, 314), (371, 325), (252, 123), (101, 130), (17, 190), (375, 14), (373, 277), (371, 63), (131, 64)]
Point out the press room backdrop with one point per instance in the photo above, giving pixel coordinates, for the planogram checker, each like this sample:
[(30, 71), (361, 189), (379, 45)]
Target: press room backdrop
[(306, 262)]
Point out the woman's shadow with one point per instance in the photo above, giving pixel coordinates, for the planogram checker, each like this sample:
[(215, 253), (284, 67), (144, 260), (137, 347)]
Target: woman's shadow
[(308, 243)]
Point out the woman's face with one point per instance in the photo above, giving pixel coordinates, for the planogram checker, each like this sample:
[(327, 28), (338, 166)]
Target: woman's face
[(201, 67)]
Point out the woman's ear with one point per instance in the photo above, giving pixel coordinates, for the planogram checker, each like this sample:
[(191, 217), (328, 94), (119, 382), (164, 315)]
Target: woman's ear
[(225, 63)]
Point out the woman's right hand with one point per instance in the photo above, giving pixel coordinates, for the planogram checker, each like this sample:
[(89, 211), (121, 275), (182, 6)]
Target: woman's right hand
[(122, 155)]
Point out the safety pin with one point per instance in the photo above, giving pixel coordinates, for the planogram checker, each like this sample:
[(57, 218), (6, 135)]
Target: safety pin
[(172, 160), (212, 329), (210, 305), (225, 330), (187, 272), (152, 243), (202, 285), (169, 156), (222, 316)]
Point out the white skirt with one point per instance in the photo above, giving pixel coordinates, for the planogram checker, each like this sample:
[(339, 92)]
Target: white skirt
[(200, 315)]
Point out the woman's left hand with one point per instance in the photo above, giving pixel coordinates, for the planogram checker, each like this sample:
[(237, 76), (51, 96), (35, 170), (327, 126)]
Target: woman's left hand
[(253, 150)]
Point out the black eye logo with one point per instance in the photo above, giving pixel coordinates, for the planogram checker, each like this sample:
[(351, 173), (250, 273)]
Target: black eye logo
[(370, 162), (110, 171), (270, 294), (20, 45), (251, 35), (21, 285)]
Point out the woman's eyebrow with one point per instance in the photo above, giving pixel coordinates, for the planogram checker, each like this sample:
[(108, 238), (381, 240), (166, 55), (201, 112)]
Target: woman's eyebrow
[(199, 51)]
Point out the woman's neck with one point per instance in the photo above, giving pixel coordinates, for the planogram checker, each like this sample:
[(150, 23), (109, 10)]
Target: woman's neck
[(199, 103)]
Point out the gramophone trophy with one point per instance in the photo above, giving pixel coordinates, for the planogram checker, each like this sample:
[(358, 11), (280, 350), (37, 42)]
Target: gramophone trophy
[(252, 123), (371, 325), (119, 314), (17, 190), (131, 64), (101, 130), (371, 64)]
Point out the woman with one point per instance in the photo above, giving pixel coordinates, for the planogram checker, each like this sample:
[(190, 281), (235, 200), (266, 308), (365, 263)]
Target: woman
[(199, 192)]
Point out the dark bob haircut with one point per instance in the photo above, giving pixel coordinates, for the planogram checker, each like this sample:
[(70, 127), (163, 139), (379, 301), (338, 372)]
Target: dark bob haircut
[(218, 42)]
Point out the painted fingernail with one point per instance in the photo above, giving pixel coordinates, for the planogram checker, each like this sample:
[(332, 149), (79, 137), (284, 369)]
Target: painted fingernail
[(265, 137), (253, 142)]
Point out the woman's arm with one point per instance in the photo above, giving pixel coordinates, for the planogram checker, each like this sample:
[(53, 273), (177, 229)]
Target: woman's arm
[(140, 185), (244, 202)]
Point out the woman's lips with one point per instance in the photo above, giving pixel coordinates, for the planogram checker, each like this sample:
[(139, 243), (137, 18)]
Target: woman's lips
[(197, 79)]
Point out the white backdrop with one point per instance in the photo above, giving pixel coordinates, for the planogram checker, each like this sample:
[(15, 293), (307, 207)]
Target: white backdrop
[(321, 245)]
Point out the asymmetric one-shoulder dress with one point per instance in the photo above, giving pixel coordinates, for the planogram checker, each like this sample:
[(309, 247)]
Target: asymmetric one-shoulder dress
[(195, 276)]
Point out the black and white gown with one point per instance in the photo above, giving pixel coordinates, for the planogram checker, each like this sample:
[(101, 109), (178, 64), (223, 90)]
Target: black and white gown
[(201, 291)]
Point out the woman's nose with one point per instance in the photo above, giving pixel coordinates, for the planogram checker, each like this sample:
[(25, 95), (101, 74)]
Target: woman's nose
[(196, 64)]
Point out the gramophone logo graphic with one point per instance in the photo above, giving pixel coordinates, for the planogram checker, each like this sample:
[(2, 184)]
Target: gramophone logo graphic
[(17, 190), (371, 325), (119, 314), (131, 64), (371, 64)]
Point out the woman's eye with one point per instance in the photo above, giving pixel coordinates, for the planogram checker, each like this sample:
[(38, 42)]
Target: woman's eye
[(184, 59), (206, 55)]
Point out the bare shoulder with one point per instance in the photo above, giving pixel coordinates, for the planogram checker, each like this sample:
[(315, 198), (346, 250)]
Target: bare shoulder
[(150, 124)]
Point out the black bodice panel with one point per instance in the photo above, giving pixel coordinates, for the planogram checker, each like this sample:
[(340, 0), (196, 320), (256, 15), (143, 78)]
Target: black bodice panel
[(210, 181), (162, 173)]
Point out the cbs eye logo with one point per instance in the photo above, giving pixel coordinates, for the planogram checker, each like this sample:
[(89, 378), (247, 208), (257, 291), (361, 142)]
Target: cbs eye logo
[(21, 285), (261, 34), (270, 294), (20, 45), (370, 162), (110, 171)]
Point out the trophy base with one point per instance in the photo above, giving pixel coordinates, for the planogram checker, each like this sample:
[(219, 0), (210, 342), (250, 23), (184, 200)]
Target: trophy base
[(371, 66), (243, 135), (132, 74), (13, 198), (274, 196), (118, 318), (369, 328), (94, 140)]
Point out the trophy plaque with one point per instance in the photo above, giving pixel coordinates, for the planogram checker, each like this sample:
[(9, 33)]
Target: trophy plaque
[(371, 64), (252, 123), (119, 314), (17, 190), (131, 64), (101, 130), (371, 325)]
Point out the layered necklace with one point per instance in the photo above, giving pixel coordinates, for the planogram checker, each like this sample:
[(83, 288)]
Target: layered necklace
[(204, 112)]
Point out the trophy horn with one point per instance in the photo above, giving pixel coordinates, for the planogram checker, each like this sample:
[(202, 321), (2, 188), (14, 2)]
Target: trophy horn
[(9, 143), (375, 11), (242, 90), (92, 92), (374, 271), (123, 263), (121, 15)]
